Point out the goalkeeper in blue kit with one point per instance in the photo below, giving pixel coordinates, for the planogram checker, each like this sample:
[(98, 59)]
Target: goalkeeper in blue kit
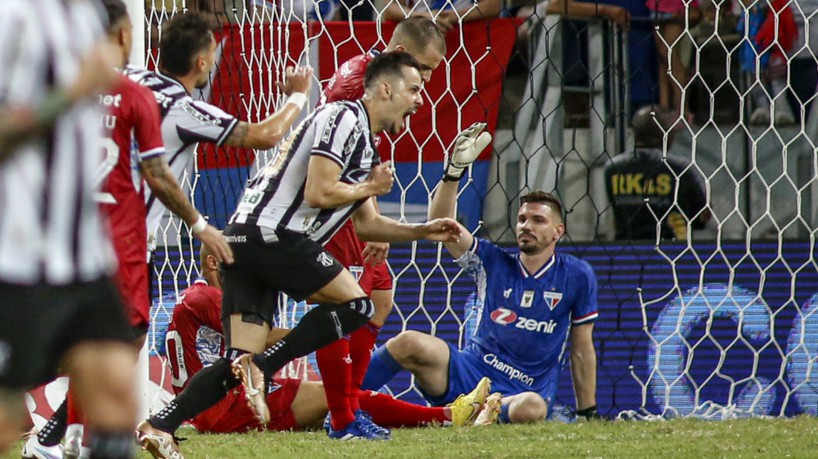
[(533, 302)]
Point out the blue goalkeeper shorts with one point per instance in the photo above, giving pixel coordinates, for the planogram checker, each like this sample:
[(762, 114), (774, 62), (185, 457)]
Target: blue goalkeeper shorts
[(467, 367)]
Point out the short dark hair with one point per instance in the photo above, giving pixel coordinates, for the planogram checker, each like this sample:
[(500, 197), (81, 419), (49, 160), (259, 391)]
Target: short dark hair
[(542, 197), (115, 10), (650, 124), (417, 33), (391, 63), (182, 38)]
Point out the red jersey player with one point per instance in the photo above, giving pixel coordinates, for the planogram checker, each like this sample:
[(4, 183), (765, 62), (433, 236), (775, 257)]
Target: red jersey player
[(420, 38), (194, 340)]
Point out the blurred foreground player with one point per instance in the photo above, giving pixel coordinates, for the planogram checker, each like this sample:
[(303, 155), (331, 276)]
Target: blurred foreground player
[(131, 120), (58, 304)]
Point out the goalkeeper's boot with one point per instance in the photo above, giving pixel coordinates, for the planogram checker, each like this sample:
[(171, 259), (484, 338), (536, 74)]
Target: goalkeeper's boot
[(366, 418), (252, 378), (33, 449), (159, 443), (466, 407), (491, 410)]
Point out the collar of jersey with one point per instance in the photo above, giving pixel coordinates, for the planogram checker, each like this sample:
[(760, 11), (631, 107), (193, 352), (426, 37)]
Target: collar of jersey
[(201, 281), (540, 272)]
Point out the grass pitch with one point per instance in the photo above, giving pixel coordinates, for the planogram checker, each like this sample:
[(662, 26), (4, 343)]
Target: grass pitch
[(681, 438)]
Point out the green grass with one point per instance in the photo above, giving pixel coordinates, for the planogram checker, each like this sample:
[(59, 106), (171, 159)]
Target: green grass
[(683, 438)]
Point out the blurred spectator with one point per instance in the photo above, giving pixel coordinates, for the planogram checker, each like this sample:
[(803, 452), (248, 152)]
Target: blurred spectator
[(804, 63), (770, 30), (651, 191), (445, 13), (672, 18)]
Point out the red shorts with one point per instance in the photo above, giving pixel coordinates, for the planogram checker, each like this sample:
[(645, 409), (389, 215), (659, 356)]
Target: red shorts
[(348, 249), (132, 281), (232, 414)]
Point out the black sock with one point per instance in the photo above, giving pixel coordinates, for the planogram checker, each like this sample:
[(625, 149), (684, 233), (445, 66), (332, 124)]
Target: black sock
[(53, 430), (321, 326), (205, 389), (112, 445)]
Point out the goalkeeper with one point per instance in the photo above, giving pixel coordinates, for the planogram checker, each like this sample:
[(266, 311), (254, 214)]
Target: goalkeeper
[(534, 300)]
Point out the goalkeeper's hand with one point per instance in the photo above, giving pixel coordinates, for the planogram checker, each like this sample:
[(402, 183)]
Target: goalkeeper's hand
[(467, 146)]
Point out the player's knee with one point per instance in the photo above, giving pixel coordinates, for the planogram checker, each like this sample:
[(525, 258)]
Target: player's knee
[(407, 347), (354, 314), (528, 407)]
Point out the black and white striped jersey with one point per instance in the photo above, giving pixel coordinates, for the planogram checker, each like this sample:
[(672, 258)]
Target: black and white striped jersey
[(50, 226), (274, 199), (185, 123)]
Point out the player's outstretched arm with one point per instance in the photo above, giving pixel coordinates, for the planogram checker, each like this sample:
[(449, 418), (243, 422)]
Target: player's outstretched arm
[(583, 366), (323, 190), (372, 226), (160, 179), (269, 132)]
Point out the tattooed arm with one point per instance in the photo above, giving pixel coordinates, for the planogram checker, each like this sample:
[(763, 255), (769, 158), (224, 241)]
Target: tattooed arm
[(160, 179)]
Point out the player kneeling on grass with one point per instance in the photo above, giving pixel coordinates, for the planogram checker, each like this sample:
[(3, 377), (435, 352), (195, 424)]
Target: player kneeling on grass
[(194, 340), (532, 301)]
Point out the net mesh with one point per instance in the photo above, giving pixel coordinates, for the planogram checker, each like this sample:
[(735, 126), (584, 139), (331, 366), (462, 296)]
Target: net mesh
[(714, 322)]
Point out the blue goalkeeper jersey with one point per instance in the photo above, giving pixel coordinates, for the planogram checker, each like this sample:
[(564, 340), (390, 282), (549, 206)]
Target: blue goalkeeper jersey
[(524, 324)]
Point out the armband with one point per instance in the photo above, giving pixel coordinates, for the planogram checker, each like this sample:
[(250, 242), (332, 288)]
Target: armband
[(51, 108), (199, 226), (298, 99)]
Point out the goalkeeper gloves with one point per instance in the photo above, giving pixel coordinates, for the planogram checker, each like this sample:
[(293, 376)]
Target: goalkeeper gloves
[(467, 146)]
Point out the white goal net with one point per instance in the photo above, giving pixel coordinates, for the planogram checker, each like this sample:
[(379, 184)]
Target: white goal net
[(714, 322)]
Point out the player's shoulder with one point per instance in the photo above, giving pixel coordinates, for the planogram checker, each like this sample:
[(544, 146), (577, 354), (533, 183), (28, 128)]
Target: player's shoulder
[(201, 290), (575, 265)]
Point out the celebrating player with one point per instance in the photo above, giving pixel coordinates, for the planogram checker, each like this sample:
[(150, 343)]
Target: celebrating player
[(325, 173), (531, 301), (195, 339), (132, 118), (58, 304), (187, 53), (344, 362)]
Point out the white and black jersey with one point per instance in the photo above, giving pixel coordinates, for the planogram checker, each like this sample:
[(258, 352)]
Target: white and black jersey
[(275, 197), (185, 123), (50, 226)]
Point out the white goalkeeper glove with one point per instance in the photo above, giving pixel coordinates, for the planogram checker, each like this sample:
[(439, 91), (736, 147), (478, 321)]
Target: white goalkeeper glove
[(467, 146)]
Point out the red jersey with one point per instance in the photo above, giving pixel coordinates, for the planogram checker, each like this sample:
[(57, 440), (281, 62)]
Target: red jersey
[(348, 81), (348, 84), (194, 339), (133, 134)]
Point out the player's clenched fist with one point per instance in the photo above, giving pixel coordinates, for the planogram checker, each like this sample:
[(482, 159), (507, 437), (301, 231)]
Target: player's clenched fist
[(298, 79), (381, 178)]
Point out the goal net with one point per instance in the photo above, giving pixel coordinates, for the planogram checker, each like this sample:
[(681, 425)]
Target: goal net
[(714, 322)]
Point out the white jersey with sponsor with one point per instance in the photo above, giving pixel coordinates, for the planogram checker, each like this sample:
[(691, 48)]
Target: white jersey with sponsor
[(50, 226), (185, 123), (338, 131)]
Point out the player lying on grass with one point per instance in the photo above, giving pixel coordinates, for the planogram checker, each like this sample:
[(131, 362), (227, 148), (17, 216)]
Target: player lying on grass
[(194, 340), (532, 302)]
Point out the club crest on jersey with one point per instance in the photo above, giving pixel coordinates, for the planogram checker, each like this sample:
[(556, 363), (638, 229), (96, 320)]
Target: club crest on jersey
[(357, 271), (528, 299), (552, 299), (324, 259)]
